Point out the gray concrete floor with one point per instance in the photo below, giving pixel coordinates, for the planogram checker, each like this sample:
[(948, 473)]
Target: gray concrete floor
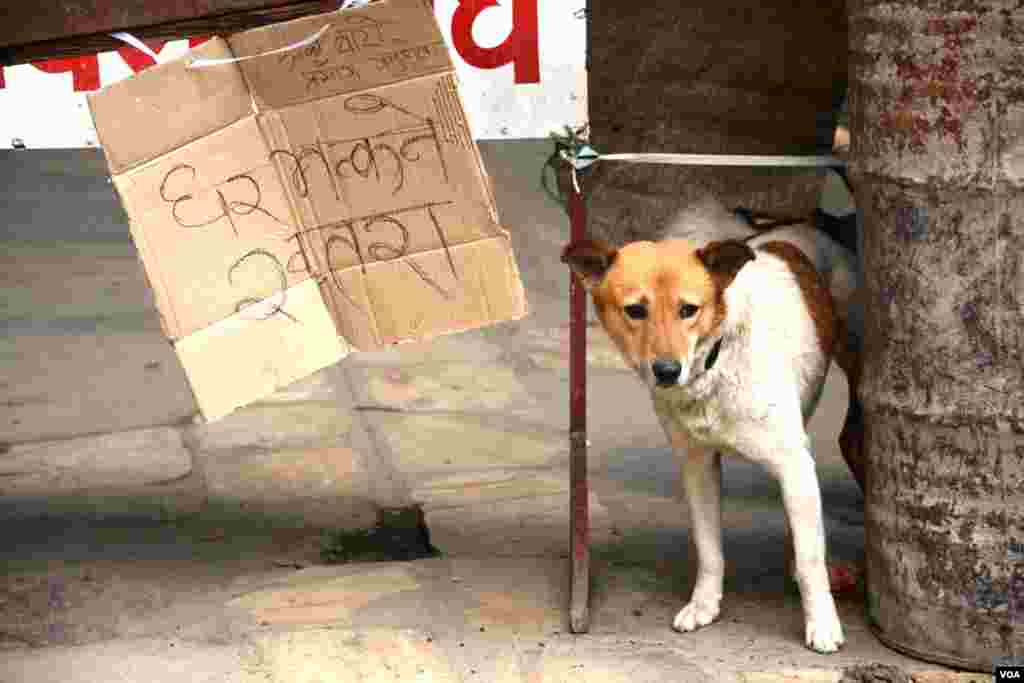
[(98, 586)]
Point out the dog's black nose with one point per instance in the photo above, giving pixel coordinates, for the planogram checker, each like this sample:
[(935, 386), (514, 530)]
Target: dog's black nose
[(666, 371)]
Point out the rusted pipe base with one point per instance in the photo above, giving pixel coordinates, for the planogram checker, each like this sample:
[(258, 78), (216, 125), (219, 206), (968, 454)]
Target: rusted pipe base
[(579, 522)]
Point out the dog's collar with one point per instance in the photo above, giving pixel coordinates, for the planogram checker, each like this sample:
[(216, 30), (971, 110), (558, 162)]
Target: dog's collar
[(712, 358)]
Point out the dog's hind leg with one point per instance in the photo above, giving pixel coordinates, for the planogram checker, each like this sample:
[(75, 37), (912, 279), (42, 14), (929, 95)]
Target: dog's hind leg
[(801, 496), (851, 438), (702, 481)]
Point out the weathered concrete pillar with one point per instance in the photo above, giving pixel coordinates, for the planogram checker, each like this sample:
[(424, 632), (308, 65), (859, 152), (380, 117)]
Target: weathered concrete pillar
[(937, 121), (730, 77)]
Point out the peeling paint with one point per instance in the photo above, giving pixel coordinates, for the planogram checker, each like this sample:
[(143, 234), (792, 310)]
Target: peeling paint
[(1015, 553), (938, 81), (912, 222), (1016, 599)]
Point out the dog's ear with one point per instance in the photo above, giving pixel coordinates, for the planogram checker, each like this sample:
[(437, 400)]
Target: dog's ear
[(590, 260), (723, 259)]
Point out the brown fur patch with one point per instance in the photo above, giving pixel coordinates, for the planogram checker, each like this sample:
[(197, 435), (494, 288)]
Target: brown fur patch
[(589, 260), (815, 293), (723, 260)]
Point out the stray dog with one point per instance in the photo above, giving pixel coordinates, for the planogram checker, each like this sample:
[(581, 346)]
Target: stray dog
[(733, 332)]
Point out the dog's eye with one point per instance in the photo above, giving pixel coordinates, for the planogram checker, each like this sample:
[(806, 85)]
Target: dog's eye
[(688, 311), (636, 311)]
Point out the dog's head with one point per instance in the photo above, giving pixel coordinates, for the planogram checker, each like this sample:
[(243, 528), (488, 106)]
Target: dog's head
[(662, 303)]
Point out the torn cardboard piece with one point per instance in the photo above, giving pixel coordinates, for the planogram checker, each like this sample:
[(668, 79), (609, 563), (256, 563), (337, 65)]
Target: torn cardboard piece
[(344, 168), (256, 352)]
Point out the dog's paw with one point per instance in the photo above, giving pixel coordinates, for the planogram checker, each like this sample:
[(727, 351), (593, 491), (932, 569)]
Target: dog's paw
[(697, 613), (824, 632)]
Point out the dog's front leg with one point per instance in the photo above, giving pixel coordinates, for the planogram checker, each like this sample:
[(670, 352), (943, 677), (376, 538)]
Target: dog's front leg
[(702, 479), (702, 482), (801, 497)]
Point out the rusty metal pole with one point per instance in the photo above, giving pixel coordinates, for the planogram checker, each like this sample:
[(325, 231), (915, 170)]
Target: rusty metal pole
[(579, 489)]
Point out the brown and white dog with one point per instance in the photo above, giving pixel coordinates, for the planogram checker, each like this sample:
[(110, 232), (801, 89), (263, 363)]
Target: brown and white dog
[(733, 332)]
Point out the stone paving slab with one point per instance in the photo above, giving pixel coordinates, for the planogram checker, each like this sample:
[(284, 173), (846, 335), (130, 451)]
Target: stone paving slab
[(328, 486), (56, 386), (473, 346), (131, 459), (152, 660), (446, 442), (950, 677), (491, 621), (368, 656), (321, 600), (457, 619), (806, 676), (548, 348), (463, 489), (280, 475), (372, 655), (441, 386), (416, 655), (274, 425), (503, 512), (829, 676), (323, 385), (514, 527)]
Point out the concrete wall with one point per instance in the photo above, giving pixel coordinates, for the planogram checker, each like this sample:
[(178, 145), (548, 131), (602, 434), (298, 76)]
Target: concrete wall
[(729, 77)]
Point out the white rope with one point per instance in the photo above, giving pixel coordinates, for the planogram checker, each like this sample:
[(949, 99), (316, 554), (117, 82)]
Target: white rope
[(309, 40), (126, 37), (348, 4), (725, 159), (199, 63), (587, 156)]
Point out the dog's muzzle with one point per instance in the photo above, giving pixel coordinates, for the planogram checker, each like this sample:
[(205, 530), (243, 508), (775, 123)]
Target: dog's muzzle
[(666, 371)]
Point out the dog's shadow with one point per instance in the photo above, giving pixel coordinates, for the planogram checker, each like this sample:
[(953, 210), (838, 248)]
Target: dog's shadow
[(753, 521)]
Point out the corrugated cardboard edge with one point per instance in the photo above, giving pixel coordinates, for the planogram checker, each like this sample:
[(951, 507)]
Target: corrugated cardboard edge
[(485, 178), (150, 263), (239, 356), (516, 288)]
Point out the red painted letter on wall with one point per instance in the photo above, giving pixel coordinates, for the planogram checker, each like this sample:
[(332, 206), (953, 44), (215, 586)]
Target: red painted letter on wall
[(85, 70), (520, 47), (136, 58)]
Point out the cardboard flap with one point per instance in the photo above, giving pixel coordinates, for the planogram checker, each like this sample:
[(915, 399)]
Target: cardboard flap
[(260, 350), (168, 105), (415, 298), (385, 42)]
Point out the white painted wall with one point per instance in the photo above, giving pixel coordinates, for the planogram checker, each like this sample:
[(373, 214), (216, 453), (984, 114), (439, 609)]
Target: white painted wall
[(43, 110)]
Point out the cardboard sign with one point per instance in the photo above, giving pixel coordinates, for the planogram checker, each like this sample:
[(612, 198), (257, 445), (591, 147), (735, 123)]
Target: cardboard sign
[(294, 207)]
